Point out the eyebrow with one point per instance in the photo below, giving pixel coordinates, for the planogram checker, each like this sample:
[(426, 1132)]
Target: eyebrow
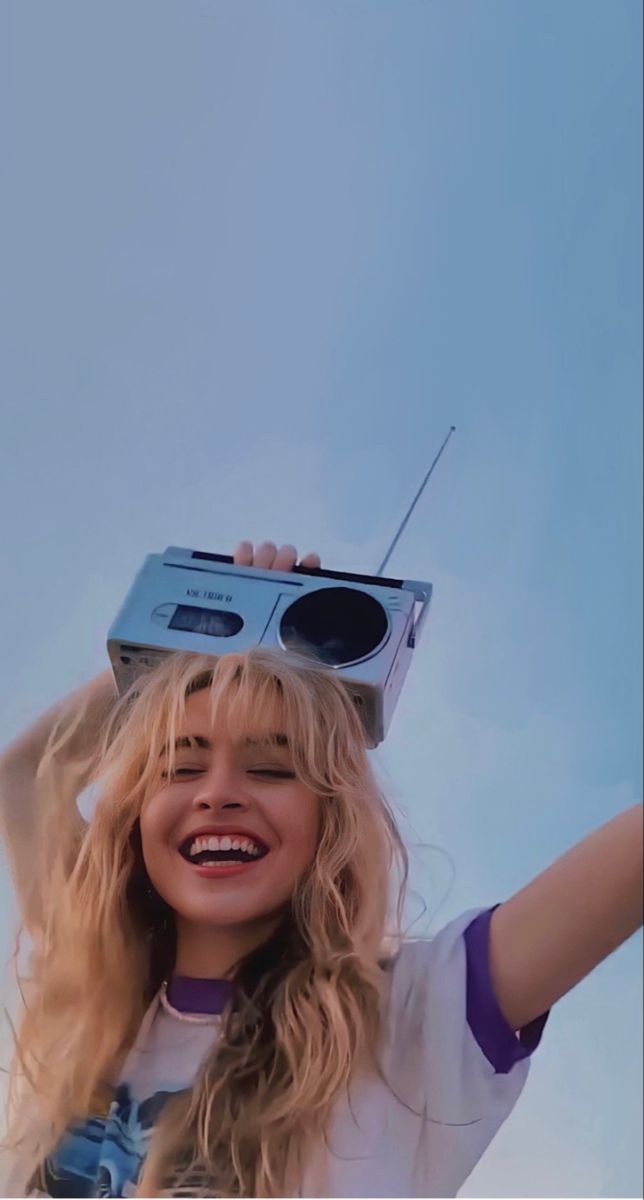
[(187, 743)]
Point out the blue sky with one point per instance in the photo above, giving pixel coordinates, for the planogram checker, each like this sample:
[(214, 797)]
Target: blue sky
[(258, 258)]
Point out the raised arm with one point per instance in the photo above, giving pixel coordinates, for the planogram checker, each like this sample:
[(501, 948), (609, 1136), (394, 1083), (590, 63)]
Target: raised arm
[(556, 930), (20, 818)]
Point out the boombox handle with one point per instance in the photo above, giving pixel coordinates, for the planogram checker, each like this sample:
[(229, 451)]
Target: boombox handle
[(316, 572), (423, 594)]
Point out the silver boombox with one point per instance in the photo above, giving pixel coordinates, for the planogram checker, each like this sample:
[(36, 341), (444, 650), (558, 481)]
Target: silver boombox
[(363, 626)]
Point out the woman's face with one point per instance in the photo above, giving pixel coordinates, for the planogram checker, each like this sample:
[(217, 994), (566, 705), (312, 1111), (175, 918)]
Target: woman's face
[(226, 839)]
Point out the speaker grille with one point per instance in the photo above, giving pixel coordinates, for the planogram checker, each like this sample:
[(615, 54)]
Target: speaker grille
[(338, 626)]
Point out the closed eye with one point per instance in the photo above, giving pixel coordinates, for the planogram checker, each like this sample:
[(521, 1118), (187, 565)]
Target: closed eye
[(180, 771), (275, 774), (272, 774)]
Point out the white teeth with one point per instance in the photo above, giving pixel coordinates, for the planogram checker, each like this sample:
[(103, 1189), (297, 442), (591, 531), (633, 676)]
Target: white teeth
[(202, 843)]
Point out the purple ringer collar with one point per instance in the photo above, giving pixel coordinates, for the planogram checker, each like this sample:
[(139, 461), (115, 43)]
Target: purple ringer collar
[(190, 995)]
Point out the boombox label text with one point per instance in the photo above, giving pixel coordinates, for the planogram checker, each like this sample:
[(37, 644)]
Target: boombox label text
[(201, 595)]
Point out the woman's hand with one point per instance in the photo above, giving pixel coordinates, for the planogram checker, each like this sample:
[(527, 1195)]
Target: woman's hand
[(269, 557)]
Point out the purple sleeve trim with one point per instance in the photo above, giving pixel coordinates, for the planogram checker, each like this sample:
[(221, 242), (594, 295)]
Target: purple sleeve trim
[(496, 1038)]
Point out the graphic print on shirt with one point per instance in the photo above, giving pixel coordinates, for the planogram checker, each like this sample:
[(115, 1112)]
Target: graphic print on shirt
[(103, 1155)]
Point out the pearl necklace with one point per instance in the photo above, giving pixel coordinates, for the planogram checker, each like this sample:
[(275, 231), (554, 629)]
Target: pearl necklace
[(189, 1018)]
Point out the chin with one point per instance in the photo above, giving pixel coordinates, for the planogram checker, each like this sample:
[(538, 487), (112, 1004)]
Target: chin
[(223, 912)]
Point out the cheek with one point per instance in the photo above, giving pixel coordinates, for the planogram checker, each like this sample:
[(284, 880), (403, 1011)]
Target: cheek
[(157, 816)]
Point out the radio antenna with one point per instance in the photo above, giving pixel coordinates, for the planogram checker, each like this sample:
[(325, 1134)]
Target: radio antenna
[(413, 504)]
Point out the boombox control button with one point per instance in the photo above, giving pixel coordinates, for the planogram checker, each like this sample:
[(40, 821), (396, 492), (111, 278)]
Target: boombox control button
[(163, 613)]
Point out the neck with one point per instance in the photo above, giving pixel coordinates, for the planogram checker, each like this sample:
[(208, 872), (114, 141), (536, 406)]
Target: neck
[(207, 953)]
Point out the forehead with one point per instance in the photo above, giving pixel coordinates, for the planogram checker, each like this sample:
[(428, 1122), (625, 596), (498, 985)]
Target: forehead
[(234, 722), (198, 709)]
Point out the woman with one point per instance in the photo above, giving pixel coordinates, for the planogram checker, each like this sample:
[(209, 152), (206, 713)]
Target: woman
[(221, 1002)]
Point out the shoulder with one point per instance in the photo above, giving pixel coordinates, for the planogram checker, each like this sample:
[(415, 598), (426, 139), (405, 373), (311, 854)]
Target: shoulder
[(428, 977), (422, 959), (442, 997)]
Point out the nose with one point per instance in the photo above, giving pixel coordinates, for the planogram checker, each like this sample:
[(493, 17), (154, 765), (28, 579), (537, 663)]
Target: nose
[(221, 789)]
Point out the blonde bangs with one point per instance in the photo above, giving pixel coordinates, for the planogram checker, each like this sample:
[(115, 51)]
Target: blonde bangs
[(253, 696)]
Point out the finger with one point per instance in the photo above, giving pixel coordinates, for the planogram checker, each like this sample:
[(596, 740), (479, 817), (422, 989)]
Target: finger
[(265, 555), (244, 554), (285, 559), (311, 560)]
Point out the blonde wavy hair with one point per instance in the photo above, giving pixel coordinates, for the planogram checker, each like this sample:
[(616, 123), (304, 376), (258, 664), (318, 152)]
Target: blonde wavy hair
[(308, 1001)]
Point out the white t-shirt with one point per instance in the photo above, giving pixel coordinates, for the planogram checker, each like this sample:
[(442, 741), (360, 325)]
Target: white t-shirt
[(455, 1071)]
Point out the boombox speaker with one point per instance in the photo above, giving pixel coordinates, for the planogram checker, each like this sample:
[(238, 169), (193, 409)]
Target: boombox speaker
[(362, 626)]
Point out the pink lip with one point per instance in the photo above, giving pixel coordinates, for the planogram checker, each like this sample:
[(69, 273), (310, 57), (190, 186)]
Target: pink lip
[(217, 872)]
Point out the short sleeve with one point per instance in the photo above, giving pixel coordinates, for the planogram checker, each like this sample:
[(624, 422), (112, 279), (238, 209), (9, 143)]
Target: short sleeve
[(449, 1045), (497, 1039)]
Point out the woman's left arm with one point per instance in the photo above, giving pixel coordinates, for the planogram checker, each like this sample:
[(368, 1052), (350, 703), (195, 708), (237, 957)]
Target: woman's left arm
[(552, 933)]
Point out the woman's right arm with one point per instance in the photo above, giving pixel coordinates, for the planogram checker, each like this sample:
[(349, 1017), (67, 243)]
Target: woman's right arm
[(20, 820)]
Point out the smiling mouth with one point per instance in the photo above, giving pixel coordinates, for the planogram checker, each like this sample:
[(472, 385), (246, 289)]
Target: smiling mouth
[(221, 858)]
